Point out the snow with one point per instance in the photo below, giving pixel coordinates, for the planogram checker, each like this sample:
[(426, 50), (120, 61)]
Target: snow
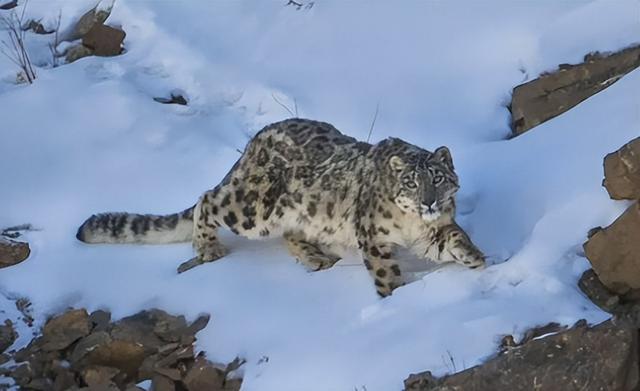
[(87, 137)]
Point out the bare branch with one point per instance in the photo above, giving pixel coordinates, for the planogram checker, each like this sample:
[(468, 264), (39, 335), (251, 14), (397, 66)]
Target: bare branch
[(273, 95), (16, 51)]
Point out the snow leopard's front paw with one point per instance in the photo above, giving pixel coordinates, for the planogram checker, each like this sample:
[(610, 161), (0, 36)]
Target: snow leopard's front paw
[(469, 256), (461, 249)]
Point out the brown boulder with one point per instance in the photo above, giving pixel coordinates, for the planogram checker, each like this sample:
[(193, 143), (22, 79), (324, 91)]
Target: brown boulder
[(104, 40), (614, 252), (554, 93), (204, 376), (622, 172), (88, 344), (8, 335), (63, 330), (12, 252), (604, 357), (123, 355)]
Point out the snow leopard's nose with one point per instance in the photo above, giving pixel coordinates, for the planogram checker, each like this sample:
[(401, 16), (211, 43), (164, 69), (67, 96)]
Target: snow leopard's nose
[(429, 199)]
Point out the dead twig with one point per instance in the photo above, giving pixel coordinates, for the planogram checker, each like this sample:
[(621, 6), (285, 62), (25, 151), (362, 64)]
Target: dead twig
[(15, 49), (53, 46), (293, 115)]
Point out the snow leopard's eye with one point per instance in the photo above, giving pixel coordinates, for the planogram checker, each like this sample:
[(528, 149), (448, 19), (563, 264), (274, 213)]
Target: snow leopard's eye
[(438, 179), (410, 185)]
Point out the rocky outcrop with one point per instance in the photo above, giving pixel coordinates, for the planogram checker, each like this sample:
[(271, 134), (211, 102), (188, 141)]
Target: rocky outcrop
[(78, 350), (554, 93), (614, 252), (622, 172), (12, 252), (604, 357)]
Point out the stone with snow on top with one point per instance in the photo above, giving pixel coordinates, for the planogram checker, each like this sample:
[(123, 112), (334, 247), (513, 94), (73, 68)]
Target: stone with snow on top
[(12, 252), (553, 93)]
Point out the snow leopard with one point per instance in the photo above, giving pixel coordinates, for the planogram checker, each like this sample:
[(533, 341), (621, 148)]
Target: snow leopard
[(323, 192)]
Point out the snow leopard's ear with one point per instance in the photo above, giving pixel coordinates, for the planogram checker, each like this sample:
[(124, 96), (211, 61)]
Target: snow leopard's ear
[(396, 163), (443, 155)]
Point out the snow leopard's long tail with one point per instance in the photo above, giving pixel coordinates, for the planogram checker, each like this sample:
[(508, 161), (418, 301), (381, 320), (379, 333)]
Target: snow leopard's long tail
[(137, 228)]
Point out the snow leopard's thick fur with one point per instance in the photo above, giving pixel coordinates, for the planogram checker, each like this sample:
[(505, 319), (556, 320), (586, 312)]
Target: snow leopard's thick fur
[(321, 191)]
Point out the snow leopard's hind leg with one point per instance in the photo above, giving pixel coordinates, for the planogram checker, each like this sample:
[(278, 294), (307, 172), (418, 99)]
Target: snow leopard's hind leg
[(308, 253), (207, 219)]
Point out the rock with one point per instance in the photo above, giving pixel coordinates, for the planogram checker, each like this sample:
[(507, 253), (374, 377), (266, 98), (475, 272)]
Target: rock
[(9, 5), (63, 330), (161, 383), (604, 357), (420, 381), (64, 379), (37, 27), (175, 99), (198, 324), (232, 384), (96, 376), (100, 320), (104, 40), (144, 327), (12, 252), (24, 306), (123, 355), (625, 308), (22, 374), (86, 352), (88, 344), (614, 252), (622, 172), (41, 384), (8, 335), (77, 52), (554, 93), (92, 17), (203, 376), (599, 294), (171, 373)]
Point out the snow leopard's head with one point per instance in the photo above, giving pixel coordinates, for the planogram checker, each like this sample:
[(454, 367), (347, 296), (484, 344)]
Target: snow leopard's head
[(423, 183)]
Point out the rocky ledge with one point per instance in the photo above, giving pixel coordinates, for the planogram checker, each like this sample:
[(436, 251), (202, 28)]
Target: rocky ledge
[(81, 351)]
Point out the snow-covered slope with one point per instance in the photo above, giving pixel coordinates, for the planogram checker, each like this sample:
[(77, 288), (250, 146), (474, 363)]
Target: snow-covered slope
[(87, 137)]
